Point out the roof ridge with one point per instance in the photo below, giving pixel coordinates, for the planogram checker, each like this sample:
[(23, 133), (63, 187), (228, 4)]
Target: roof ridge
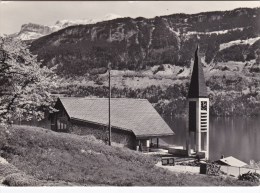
[(102, 98)]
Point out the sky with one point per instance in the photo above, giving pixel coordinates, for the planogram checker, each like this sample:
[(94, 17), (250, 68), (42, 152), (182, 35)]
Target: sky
[(13, 14)]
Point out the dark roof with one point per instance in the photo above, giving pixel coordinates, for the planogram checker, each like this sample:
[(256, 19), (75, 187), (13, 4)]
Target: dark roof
[(197, 84), (135, 115)]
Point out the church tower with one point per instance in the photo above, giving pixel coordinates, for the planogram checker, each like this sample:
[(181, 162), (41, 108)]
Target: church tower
[(197, 138)]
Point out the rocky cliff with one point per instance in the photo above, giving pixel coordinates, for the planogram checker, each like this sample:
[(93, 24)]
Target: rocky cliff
[(33, 31)]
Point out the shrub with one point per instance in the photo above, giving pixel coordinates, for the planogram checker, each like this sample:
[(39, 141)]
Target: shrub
[(7, 169), (19, 179), (250, 176)]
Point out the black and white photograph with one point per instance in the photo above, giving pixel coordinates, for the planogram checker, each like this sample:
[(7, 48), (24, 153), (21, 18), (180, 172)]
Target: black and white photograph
[(129, 94)]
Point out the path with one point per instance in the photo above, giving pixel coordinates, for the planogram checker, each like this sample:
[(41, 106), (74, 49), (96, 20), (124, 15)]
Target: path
[(179, 168)]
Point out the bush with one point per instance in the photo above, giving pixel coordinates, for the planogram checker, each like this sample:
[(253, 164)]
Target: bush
[(12, 176), (7, 169), (19, 179), (250, 176)]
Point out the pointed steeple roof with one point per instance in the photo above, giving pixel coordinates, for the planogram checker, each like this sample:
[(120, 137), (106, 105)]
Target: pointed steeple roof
[(197, 84)]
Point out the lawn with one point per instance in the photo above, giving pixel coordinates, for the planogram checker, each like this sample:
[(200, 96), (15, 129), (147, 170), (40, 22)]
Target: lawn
[(45, 157)]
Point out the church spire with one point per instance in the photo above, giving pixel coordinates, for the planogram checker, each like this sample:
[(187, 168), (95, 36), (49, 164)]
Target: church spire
[(198, 87)]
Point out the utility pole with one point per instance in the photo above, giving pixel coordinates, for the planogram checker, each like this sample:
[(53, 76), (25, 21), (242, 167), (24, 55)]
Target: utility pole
[(109, 105), (109, 98)]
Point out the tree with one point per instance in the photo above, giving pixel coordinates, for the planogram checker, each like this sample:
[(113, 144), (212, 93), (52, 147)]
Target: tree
[(24, 84)]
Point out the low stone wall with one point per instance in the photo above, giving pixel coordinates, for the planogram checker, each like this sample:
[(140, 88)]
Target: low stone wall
[(125, 138)]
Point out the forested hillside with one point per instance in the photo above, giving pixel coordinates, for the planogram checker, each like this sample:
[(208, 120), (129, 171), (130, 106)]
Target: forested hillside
[(151, 58), (136, 44)]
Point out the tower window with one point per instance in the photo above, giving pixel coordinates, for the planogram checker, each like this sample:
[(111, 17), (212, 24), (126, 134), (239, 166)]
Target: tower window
[(204, 105), (192, 116)]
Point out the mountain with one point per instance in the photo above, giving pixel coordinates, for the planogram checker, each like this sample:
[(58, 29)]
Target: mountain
[(152, 58), (66, 23), (136, 44), (33, 31)]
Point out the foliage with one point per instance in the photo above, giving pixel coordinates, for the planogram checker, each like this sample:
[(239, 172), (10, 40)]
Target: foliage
[(250, 176), (234, 53), (24, 84), (235, 104), (19, 179)]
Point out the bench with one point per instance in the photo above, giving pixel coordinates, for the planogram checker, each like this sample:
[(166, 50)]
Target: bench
[(168, 161)]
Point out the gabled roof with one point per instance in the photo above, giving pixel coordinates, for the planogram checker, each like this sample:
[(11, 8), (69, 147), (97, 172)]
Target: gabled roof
[(197, 84), (231, 161), (136, 115)]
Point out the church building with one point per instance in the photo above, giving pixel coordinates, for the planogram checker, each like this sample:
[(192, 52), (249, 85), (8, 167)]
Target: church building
[(197, 139), (134, 122)]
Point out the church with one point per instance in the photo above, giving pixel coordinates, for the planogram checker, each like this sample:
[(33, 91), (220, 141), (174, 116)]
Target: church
[(197, 135), (135, 123)]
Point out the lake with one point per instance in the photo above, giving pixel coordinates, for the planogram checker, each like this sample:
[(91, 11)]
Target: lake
[(238, 137)]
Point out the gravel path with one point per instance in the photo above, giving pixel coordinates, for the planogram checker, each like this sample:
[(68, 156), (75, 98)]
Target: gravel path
[(179, 168)]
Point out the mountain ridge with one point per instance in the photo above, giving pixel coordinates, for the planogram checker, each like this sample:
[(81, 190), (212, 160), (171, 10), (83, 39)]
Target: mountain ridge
[(33, 31), (135, 44)]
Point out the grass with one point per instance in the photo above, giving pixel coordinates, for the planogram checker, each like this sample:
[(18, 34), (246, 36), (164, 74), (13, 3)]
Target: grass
[(53, 158)]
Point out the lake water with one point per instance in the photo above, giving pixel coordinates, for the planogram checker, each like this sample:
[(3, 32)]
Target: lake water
[(238, 137)]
